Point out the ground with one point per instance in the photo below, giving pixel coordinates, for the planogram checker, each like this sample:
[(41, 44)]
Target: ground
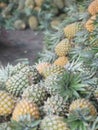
[(16, 44)]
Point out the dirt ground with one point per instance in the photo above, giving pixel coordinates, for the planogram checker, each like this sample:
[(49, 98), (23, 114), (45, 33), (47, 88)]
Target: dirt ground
[(20, 44)]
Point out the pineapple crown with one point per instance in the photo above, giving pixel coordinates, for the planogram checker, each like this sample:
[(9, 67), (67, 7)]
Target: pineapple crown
[(80, 120), (25, 122), (68, 85)]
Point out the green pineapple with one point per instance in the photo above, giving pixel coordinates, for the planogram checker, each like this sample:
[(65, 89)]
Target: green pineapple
[(53, 122), (36, 93), (56, 105), (18, 82)]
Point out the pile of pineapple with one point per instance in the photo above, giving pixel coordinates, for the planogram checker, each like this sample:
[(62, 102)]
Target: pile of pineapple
[(22, 14), (60, 91), (37, 14)]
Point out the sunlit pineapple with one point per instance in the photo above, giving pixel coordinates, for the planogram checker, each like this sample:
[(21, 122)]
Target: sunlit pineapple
[(93, 7), (61, 61), (7, 103), (41, 66), (63, 48), (89, 25), (25, 107), (71, 30)]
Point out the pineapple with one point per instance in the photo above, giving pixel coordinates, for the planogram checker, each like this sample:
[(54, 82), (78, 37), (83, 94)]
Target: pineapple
[(25, 107), (39, 2), (56, 105), (41, 66), (29, 4), (20, 67), (71, 30), (93, 7), (81, 114), (7, 103), (33, 22), (59, 3), (55, 23), (63, 47), (21, 5), (18, 82), (66, 84), (53, 122), (36, 93), (89, 25), (53, 69), (81, 104), (61, 61), (19, 24)]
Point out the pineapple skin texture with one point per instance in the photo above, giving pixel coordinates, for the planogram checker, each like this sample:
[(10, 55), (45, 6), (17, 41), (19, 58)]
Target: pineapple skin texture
[(53, 69), (25, 107), (62, 48), (56, 105), (93, 7), (90, 24), (53, 122), (36, 93), (83, 104), (17, 83), (61, 61), (7, 103), (71, 29), (41, 66)]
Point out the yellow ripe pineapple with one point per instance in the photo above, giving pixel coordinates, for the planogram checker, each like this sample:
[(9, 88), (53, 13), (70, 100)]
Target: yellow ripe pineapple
[(93, 7), (61, 61), (41, 66), (83, 104), (71, 30), (33, 22), (63, 47), (25, 107), (19, 24), (39, 2), (89, 25), (7, 103)]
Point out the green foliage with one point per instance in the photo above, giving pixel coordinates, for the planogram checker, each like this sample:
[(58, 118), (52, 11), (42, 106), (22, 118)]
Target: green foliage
[(25, 123), (80, 119)]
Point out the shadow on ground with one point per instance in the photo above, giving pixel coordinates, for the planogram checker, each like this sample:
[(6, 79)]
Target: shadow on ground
[(20, 44)]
